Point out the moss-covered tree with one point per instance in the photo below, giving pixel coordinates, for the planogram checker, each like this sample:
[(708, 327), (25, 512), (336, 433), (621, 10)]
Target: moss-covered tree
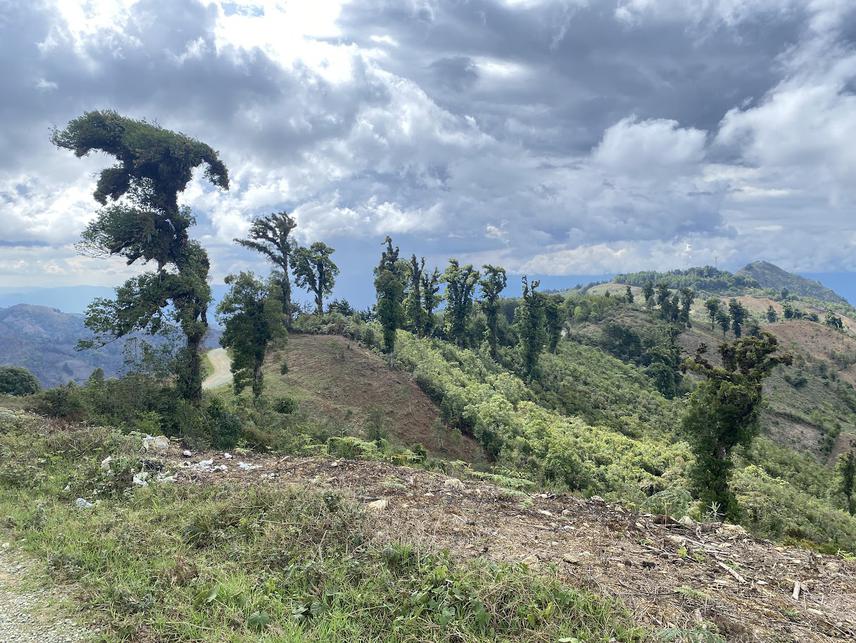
[(723, 413), (146, 224), (430, 298), (271, 236), (413, 312), (529, 323), (251, 314), (389, 286), (315, 271), (492, 284), (460, 289)]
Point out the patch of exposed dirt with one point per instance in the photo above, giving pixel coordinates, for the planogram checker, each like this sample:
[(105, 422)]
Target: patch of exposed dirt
[(336, 379), (669, 575)]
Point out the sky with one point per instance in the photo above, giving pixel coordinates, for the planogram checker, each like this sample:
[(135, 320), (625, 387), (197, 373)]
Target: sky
[(566, 137)]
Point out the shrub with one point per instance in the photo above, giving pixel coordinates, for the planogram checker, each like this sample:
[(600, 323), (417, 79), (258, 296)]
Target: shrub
[(285, 405), (64, 402), (15, 380), (224, 427)]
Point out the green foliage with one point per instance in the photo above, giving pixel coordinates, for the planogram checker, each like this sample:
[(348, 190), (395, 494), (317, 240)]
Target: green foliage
[(845, 472), (430, 297), (772, 315), (414, 314), (154, 165), (389, 286), (723, 413), (492, 283), (529, 323), (271, 237), (460, 287), (738, 316), (15, 380), (554, 320), (265, 561), (251, 314), (315, 271), (707, 279)]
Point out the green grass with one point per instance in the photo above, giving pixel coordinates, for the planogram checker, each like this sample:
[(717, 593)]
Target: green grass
[(262, 562)]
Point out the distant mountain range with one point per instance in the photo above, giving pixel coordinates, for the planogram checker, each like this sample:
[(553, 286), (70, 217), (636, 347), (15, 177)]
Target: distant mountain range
[(44, 340), (769, 276)]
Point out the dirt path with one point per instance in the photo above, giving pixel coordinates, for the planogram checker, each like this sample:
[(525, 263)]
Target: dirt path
[(671, 576), (29, 615), (221, 376)]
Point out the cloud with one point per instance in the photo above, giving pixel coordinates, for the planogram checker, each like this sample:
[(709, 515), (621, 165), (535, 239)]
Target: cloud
[(565, 136)]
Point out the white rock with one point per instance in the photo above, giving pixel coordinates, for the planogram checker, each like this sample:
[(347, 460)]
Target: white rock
[(686, 521), (141, 479), (453, 483), (246, 466), (105, 463), (83, 503), (228, 456), (186, 453), (157, 443), (378, 505)]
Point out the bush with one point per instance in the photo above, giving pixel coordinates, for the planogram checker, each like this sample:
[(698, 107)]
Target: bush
[(64, 402), (224, 427), (285, 405), (15, 380)]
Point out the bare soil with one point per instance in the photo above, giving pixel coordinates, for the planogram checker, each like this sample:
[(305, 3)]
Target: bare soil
[(669, 575)]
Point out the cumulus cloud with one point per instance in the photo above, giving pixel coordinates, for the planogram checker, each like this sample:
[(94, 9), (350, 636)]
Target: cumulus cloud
[(555, 137)]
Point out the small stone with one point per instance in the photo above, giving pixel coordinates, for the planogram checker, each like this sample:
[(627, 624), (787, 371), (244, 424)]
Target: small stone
[(544, 512), (598, 500), (141, 479), (453, 483), (228, 456), (187, 453), (83, 503), (686, 521), (575, 558), (378, 505), (245, 466), (105, 463)]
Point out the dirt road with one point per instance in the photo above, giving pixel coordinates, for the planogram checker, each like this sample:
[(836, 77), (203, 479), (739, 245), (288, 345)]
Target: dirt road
[(221, 376)]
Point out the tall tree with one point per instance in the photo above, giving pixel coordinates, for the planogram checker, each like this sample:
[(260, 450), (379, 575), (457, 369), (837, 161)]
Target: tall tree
[(270, 236), (664, 300), (492, 283), (713, 304), (413, 300), (553, 321), (460, 287), (529, 320), (628, 294), (738, 316), (724, 321), (772, 315), (315, 271), (845, 471), (687, 299), (251, 314), (723, 413), (154, 165), (430, 297), (389, 285), (648, 291)]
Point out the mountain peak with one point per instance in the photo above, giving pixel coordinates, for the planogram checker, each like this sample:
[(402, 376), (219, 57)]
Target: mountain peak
[(769, 275)]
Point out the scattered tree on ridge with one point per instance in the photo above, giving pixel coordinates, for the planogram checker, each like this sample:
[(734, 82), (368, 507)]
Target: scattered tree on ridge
[(154, 165), (413, 300), (712, 306), (492, 283), (389, 285), (315, 271), (772, 315), (687, 299), (529, 320), (430, 298), (251, 314), (834, 321), (553, 321), (628, 295), (460, 287), (270, 236), (738, 316), (648, 291), (723, 413), (724, 321)]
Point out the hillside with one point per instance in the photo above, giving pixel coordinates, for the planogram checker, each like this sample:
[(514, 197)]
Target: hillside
[(43, 340), (772, 277), (350, 390), (314, 548)]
